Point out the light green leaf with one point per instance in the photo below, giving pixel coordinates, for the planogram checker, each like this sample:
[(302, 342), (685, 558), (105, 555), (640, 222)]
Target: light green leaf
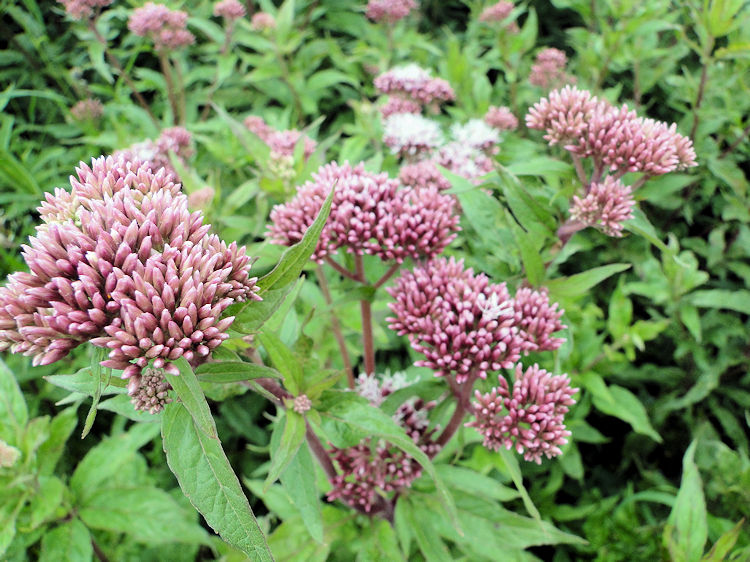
[(13, 412), (380, 543), (189, 391), (284, 360), (234, 371), (724, 544), (511, 464), (85, 382), (428, 540), (738, 300), (299, 481), (580, 283), (48, 497), (467, 481), (60, 428), (146, 514), (208, 481), (122, 405), (687, 530), (70, 541), (624, 405), (291, 438)]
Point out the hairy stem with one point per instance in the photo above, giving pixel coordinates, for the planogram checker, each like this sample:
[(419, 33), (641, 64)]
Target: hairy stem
[(365, 307), (121, 71), (580, 172), (568, 229), (336, 326)]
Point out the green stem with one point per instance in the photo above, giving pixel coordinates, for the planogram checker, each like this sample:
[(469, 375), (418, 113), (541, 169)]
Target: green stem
[(365, 307), (171, 93)]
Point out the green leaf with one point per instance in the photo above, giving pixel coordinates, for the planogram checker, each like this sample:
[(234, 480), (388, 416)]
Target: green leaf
[(539, 166), (580, 283), (13, 413), (533, 217), (299, 481), (122, 405), (687, 530), (189, 391), (208, 481), (427, 538), (48, 497), (234, 371), (348, 412), (623, 404), (70, 541), (641, 226), (724, 544), (85, 382), (511, 464), (292, 437), (60, 428), (108, 458), (16, 175), (380, 543), (530, 256), (467, 481), (738, 300), (284, 360), (146, 514), (98, 373)]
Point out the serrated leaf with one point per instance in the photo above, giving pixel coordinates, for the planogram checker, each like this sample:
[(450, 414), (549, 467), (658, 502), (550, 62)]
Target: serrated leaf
[(208, 481), (189, 391), (285, 442), (298, 479), (234, 371), (69, 541), (146, 514)]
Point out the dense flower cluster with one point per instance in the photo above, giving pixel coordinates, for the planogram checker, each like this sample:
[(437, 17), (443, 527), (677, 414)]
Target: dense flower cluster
[(229, 9), (369, 215), (464, 160), (414, 83), (174, 140), (616, 141), (496, 12), (389, 11), (423, 174), (395, 105), (166, 28), (262, 21), (280, 142), (87, 110), (120, 262), (501, 118), (549, 69), (529, 419), (374, 467), (409, 134), (466, 326), (83, 9), (476, 134)]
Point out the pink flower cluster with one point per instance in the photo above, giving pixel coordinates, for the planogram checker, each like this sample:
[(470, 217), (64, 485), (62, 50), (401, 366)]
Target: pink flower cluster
[(496, 12), (262, 21), (501, 118), (370, 214), (529, 419), (120, 262), (375, 467), (280, 142), (89, 109), (423, 174), (616, 141), (389, 11), (166, 28), (413, 82), (83, 9), (466, 326), (229, 9), (549, 69), (173, 140)]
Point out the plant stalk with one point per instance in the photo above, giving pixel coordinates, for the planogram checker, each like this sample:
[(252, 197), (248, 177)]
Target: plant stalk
[(365, 307), (336, 326)]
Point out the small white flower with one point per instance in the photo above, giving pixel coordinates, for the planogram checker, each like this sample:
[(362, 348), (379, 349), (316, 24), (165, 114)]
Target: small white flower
[(408, 133), (475, 133), (492, 309)]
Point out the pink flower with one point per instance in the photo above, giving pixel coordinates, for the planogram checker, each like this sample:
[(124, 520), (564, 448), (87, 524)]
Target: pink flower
[(121, 262), (281, 142), (606, 206), (262, 21), (173, 140), (389, 11), (166, 28), (83, 9), (413, 82), (423, 174), (396, 104), (549, 69), (258, 126), (442, 308), (501, 118), (464, 160), (496, 12), (564, 114), (87, 110), (476, 134), (531, 419), (229, 9), (537, 319)]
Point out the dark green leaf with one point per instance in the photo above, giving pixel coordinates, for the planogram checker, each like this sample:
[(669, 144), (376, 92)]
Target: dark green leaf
[(234, 371), (284, 360), (686, 531)]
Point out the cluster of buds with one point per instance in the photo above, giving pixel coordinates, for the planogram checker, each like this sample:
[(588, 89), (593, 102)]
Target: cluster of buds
[(166, 28), (230, 10), (262, 21), (375, 467), (615, 141), (530, 418), (370, 214), (501, 118), (549, 69), (498, 13), (89, 109), (172, 141), (120, 262), (465, 325), (410, 87), (83, 9), (281, 143), (389, 11)]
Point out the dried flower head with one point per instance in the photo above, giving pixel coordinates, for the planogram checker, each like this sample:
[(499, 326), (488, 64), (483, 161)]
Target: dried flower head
[(501, 118), (530, 419), (87, 110), (119, 261), (389, 11), (83, 9), (262, 21), (606, 206), (229, 9), (166, 28), (408, 134), (8, 455), (496, 12)]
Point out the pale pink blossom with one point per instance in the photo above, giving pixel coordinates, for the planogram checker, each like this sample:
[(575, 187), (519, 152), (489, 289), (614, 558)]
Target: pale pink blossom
[(496, 12), (537, 319), (83, 9), (389, 11), (549, 69), (396, 104), (606, 206), (229, 9), (423, 174), (409, 135), (416, 83), (501, 118), (87, 110), (262, 21), (166, 28)]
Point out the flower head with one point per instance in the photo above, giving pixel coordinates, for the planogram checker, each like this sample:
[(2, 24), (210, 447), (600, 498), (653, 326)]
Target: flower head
[(229, 9), (281, 142), (537, 319), (397, 104), (501, 118), (87, 110), (262, 21), (389, 11), (496, 12), (166, 28), (414, 82), (529, 419), (606, 206), (83, 9), (172, 141), (465, 161), (408, 134), (423, 174), (549, 68), (476, 134), (564, 115)]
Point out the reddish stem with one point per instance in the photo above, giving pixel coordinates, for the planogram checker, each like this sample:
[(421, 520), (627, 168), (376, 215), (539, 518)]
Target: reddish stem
[(336, 325), (341, 269), (366, 310), (388, 274)]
